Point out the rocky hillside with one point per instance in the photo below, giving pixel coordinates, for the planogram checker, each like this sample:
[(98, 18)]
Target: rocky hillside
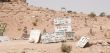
[(19, 15)]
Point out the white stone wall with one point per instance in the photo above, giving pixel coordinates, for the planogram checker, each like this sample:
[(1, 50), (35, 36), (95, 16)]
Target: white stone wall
[(83, 41), (52, 37), (63, 24)]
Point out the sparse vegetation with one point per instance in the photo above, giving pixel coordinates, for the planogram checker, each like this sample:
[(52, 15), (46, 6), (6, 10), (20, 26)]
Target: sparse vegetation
[(69, 11), (34, 23), (66, 48), (92, 14), (85, 21), (91, 32), (102, 14), (108, 16), (23, 52)]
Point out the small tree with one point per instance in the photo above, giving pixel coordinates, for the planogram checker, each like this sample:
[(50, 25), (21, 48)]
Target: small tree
[(102, 14), (92, 14)]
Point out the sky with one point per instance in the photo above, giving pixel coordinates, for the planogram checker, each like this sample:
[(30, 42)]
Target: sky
[(86, 6)]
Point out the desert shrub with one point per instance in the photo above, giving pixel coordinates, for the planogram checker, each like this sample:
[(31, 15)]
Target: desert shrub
[(102, 14), (66, 48), (23, 52), (34, 23), (69, 11), (91, 32), (85, 21), (100, 27), (92, 14), (108, 16)]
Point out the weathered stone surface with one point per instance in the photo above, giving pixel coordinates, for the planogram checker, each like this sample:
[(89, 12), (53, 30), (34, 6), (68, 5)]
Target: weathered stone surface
[(3, 38), (34, 36), (69, 35), (52, 37), (82, 42)]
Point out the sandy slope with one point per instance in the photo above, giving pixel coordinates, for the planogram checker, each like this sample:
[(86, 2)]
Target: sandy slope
[(17, 16), (18, 46)]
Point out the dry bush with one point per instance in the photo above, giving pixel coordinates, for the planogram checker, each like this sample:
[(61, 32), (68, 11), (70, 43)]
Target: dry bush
[(23, 52), (92, 15), (34, 23), (69, 11), (66, 48), (102, 14), (91, 32)]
